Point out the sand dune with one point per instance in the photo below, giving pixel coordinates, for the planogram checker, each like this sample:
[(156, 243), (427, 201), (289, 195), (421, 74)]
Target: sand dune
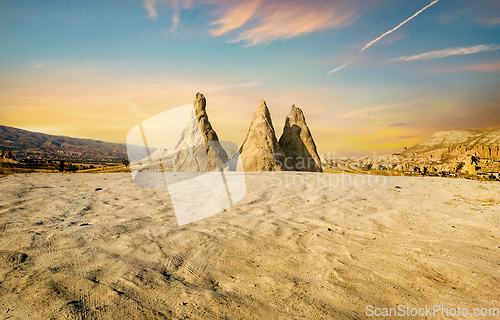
[(299, 251)]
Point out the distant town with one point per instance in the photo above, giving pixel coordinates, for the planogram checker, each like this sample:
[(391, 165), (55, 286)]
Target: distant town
[(23, 162)]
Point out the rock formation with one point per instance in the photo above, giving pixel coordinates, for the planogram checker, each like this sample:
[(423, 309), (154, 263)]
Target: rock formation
[(198, 149), (298, 145), (470, 165), (459, 144), (261, 151), (487, 152), (450, 152)]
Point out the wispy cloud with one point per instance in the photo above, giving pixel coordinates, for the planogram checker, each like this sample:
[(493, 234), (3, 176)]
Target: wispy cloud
[(288, 19), (263, 21), (175, 19), (483, 67), (231, 86), (491, 21), (399, 25), (339, 68), (236, 16), (150, 7), (363, 113), (449, 52), (134, 108), (38, 66)]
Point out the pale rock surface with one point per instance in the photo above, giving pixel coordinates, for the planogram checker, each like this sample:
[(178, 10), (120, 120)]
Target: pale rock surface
[(198, 149), (298, 144), (261, 151), (160, 153), (457, 144)]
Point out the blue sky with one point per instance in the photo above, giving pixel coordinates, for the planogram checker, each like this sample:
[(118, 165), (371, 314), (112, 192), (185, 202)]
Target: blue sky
[(94, 69)]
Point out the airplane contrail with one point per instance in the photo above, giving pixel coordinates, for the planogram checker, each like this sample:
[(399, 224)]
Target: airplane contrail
[(399, 25), (342, 66), (449, 52), (388, 32)]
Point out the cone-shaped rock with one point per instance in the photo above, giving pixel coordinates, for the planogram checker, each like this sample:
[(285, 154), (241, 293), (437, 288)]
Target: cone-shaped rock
[(298, 144), (261, 151), (199, 149)]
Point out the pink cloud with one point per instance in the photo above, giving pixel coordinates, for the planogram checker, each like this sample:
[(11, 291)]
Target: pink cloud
[(284, 21), (489, 20), (236, 16), (263, 21), (486, 67), (150, 7)]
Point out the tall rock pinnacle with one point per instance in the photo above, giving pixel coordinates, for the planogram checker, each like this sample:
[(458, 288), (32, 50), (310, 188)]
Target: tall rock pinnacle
[(261, 151), (298, 144), (199, 149)]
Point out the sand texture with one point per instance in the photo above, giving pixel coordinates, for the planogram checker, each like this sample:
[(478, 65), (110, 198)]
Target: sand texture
[(300, 251)]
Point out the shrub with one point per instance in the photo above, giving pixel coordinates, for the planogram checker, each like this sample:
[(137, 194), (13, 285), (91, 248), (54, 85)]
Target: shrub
[(125, 162)]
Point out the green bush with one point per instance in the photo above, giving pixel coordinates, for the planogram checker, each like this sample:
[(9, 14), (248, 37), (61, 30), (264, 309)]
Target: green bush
[(125, 162)]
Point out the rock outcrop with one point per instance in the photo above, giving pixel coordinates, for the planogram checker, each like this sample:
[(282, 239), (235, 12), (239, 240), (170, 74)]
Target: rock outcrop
[(298, 145), (459, 144), (261, 151), (199, 149), (470, 165), (450, 152), (487, 152)]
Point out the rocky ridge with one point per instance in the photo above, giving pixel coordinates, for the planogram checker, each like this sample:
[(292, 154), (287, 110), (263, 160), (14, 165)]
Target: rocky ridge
[(459, 144), (472, 152)]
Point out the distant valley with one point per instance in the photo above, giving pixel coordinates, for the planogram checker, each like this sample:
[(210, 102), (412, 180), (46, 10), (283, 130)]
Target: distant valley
[(26, 144)]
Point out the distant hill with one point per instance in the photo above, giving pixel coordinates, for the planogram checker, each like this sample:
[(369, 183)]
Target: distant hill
[(28, 144), (457, 153), (481, 143)]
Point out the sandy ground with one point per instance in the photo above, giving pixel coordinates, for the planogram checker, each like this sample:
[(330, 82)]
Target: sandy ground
[(303, 251)]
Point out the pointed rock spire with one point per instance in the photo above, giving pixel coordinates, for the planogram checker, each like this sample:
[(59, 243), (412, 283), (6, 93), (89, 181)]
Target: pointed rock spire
[(298, 144), (216, 154), (199, 149), (261, 151)]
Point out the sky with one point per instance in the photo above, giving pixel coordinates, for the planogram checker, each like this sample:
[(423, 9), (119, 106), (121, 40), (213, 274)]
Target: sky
[(372, 76)]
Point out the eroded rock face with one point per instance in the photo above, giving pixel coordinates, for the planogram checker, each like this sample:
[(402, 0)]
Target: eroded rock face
[(470, 165), (198, 149), (298, 144), (487, 152), (261, 151), (458, 144)]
